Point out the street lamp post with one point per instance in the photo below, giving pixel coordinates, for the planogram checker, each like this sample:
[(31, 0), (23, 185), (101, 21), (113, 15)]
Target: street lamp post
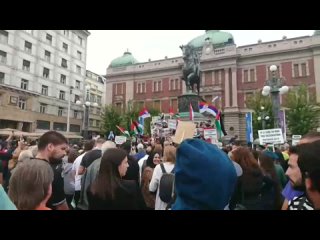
[(69, 109), (86, 106), (263, 118), (274, 86)]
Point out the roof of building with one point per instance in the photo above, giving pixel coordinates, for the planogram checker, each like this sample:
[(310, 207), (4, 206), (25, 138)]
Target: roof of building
[(125, 60), (216, 37)]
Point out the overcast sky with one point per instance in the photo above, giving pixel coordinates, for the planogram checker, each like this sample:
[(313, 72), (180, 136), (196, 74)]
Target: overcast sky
[(106, 45)]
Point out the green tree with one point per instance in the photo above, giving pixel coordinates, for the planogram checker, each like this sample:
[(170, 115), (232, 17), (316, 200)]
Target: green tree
[(110, 119), (255, 103), (303, 113), (131, 114)]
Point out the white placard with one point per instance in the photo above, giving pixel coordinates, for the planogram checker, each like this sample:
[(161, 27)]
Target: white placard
[(172, 123), (120, 139), (210, 133), (273, 136), (296, 139)]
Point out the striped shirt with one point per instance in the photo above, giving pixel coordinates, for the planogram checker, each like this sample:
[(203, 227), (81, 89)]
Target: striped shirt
[(300, 203)]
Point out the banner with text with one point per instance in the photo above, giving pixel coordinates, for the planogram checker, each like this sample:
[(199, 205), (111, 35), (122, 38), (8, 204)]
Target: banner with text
[(273, 136), (172, 123), (120, 139), (210, 133), (249, 130)]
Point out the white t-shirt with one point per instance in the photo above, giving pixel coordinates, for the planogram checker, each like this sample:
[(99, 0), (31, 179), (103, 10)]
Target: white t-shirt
[(155, 181), (75, 169), (140, 163)]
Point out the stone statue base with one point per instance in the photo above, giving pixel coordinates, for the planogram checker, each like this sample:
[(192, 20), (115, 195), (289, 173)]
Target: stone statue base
[(184, 106)]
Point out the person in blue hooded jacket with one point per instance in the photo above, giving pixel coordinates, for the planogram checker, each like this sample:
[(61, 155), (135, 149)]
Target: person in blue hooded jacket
[(205, 178)]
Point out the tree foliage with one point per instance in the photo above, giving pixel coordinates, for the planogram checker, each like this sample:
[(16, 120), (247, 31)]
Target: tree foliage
[(303, 113), (111, 117)]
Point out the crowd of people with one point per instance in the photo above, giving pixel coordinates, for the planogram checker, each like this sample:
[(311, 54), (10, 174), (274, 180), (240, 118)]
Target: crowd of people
[(158, 175)]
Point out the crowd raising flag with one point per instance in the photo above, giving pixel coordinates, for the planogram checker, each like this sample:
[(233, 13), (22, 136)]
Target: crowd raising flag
[(191, 113), (212, 110)]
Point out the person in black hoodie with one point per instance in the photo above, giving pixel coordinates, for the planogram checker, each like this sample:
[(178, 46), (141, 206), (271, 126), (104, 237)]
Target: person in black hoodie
[(109, 191), (133, 169)]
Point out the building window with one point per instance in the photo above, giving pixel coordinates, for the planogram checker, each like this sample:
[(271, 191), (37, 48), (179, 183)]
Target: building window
[(3, 56), (245, 76), (119, 88), (75, 114), (247, 96), (60, 111), (99, 99), (49, 39), (44, 90), (172, 84), (46, 72), (80, 40), (74, 128), (2, 75), (59, 126), (47, 55), (303, 69), (157, 86), (22, 103), (76, 98), (252, 75), (177, 84), (43, 125), (62, 95), (156, 105), (64, 63), (90, 122), (98, 111), (26, 65), (24, 84), (78, 69), (63, 79), (27, 46), (98, 123), (65, 47), (43, 108), (4, 36), (79, 54), (77, 84), (296, 70), (66, 33)]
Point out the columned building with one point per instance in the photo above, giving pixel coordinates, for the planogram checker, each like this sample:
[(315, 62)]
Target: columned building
[(231, 72), (41, 71)]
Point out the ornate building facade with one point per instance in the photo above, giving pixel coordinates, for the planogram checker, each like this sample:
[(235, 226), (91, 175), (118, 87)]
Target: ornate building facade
[(233, 73)]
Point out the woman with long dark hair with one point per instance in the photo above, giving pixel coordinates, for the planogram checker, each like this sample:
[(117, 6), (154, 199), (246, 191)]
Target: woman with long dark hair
[(109, 191)]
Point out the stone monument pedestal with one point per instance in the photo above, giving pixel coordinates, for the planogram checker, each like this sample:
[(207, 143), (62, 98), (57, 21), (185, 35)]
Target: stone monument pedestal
[(184, 107)]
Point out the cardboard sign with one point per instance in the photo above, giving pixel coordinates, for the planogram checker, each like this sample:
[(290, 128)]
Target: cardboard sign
[(172, 123), (210, 133), (296, 139), (273, 136), (185, 130), (120, 139)]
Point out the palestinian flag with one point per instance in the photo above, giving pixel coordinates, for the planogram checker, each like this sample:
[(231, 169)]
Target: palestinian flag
[(123, 131)]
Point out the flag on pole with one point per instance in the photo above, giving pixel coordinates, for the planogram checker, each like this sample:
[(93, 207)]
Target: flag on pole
[(123, 131), (144, 113), (191, 113), (215, 98)]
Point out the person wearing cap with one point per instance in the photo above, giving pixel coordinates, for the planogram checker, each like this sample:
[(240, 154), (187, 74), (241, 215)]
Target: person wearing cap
[(205, 178)]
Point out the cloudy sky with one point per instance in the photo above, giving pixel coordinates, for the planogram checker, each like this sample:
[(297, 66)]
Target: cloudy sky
[(106, 45)]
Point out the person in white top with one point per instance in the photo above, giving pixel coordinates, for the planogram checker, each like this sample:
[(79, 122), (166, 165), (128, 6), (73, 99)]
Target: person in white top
[(169, 157), (75, 168), (141, 161)]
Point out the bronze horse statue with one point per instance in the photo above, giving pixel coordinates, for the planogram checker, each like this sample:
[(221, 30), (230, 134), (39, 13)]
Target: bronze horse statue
[(191, 68)]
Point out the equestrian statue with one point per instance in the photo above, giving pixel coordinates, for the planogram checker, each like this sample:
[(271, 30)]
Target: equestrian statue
[(191, 68)]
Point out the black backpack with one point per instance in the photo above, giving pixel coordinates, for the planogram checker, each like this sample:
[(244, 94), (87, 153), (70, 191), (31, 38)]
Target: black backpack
[(166, 188)]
